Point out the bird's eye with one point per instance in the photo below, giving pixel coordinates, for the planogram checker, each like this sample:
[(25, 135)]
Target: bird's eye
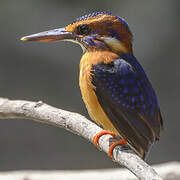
[(83, 29)]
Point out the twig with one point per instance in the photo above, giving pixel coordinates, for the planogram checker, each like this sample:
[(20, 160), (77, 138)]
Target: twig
[(77, 124)]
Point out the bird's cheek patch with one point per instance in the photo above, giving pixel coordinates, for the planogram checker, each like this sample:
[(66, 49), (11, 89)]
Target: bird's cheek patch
[(115, 45)]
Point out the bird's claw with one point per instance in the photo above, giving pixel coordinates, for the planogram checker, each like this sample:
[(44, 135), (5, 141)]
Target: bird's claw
[(101, 133)]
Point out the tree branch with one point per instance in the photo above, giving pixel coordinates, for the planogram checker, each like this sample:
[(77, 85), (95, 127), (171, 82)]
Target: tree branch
[(77, 124)]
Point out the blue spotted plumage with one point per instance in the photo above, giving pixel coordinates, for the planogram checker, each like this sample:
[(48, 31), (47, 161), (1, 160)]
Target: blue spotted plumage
[(124, 84)]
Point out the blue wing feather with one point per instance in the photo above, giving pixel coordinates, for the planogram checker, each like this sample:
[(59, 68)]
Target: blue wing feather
[(125, 93)]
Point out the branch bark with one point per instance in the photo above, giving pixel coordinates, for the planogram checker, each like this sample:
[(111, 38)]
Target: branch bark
[(77, 124)]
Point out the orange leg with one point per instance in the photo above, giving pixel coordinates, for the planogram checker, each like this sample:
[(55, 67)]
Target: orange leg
[(101, 133), (114, 144)]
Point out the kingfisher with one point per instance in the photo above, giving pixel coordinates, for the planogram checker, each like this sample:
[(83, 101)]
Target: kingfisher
[(114, 87)]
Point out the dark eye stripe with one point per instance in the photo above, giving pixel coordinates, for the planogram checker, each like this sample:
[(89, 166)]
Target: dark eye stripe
[(83, 29)]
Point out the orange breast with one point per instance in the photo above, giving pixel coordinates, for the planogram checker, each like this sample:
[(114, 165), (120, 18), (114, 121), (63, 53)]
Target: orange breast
[(87, 90)]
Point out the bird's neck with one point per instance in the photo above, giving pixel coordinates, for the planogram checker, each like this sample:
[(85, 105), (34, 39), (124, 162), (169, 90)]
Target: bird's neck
[(90, 58), (96, 57)]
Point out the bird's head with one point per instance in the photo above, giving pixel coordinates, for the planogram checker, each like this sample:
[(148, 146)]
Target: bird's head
[(95, 31)]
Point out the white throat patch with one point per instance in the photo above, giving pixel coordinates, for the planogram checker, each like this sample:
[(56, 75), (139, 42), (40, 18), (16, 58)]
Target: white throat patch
[(115, 44)]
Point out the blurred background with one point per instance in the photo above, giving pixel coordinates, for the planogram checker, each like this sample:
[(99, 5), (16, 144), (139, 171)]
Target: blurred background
[(49, 72)]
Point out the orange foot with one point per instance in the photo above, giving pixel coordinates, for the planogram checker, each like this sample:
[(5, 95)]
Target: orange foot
[(122, 142), (101, 133), (112, 145)]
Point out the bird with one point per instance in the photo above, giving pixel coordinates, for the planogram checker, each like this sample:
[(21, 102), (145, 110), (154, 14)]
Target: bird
[(115, 89)]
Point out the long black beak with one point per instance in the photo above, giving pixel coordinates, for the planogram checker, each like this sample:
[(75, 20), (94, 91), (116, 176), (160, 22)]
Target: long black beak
[(48, 36)]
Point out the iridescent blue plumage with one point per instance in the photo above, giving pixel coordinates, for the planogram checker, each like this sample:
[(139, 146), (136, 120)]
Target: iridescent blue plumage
[(125, 92)]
